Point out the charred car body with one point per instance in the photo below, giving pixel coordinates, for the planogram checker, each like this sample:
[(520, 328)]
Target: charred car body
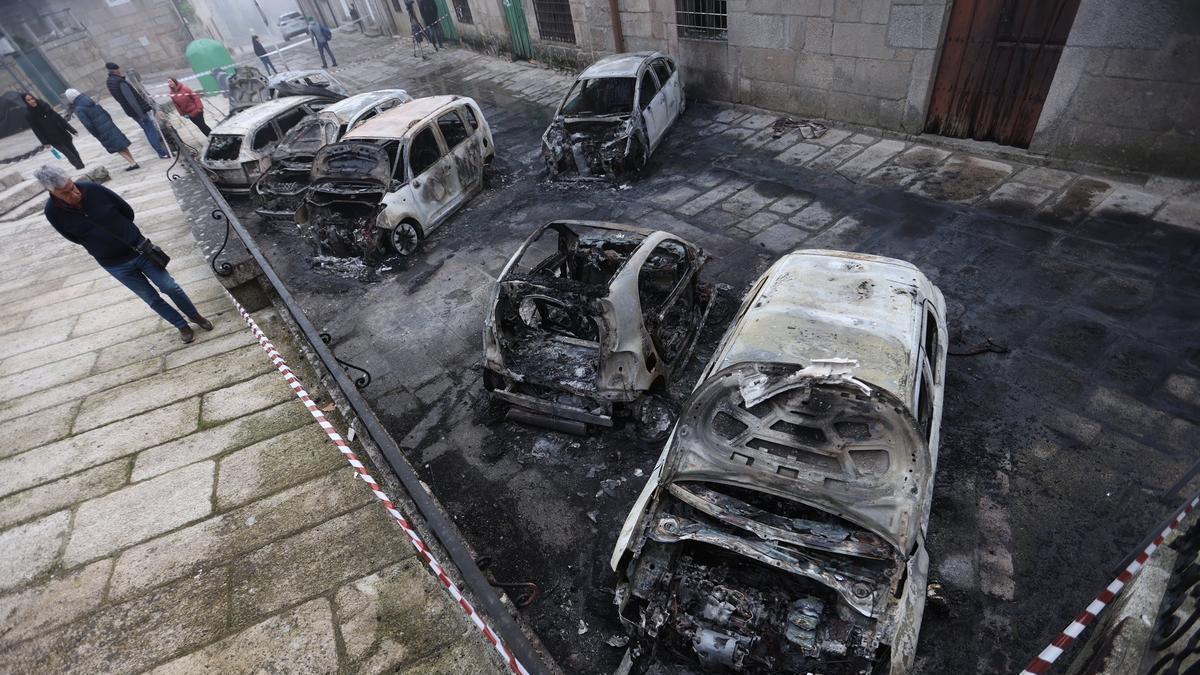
[(280, 190), (614, 116), (783, 528), (391, 181), (248, 86), (587, 317)]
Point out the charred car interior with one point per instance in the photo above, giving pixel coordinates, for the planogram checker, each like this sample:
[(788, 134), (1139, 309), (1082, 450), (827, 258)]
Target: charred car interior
[(343, 202), (782, 530), (613, 117), (589, 317)]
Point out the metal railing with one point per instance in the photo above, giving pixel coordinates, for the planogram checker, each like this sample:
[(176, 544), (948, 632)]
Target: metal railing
[(554, 20), (702, 19), (436, 520)]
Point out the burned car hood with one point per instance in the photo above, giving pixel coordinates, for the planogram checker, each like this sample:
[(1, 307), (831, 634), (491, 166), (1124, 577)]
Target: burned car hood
[(351, 161), (814, 435)]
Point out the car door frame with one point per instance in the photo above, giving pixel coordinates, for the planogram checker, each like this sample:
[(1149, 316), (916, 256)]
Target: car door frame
[(654, 116), (689, 279), (468, 152), (431, 216), (673, 88)]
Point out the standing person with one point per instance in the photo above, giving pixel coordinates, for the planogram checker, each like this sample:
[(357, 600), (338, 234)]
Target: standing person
[(261, 51), (188, 103), (433, 27), (135, 106), (321, 35), (354, 17), (99, 123), (101, 222), (51, 129)]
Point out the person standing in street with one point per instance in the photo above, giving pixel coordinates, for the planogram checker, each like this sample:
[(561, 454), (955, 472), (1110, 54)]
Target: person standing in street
[(433, 27), (261, 52), (354, 17), (188, 103), (321, 35), (101, 222), (51, 129), (99, 124), (135, 106)]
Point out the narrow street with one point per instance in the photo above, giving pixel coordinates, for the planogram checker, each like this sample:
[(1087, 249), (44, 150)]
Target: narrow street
[(1055, 446)]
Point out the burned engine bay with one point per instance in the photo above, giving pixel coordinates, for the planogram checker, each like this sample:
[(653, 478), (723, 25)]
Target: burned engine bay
[(588, 316), (707, 594), (280, 191), (595, 134), (342, 205)]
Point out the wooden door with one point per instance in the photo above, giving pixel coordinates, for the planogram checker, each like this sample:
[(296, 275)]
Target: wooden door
[(998, 61)]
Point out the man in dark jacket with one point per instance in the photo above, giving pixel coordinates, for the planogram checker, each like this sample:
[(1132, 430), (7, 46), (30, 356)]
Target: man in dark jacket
[(321, 35), (135, 106), (98, 219), (433, 27), (261, 52)]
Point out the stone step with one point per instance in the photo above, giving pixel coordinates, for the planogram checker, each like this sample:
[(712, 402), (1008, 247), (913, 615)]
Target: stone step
[(9, 179), (17, 195)]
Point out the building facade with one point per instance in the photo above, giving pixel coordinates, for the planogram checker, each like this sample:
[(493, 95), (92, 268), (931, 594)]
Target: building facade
[(1098, 81)]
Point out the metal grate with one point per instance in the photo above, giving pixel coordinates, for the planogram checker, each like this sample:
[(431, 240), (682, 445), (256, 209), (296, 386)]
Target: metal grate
[(463, 11), (702, 19), (554, 20)]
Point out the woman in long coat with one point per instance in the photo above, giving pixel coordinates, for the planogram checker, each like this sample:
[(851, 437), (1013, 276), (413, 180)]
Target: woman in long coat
[(99, 123), (51, 129)]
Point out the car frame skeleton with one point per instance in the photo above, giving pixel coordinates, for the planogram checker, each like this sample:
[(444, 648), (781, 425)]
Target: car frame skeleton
[(783, 527), (587, 318), (614, 116), (393, 180)]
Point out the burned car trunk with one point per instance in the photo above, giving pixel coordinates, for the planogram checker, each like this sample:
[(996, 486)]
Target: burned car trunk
[(279, 192), (588, 317), (340, 209), (784, 538)]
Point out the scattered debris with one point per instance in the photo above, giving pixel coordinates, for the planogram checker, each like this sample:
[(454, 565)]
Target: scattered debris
[(618, 641), (593, 516), (583, 627), (807, 128), (986, 347)]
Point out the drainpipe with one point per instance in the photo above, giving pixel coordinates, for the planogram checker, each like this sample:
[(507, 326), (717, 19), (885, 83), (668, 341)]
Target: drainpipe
[(618, 34)]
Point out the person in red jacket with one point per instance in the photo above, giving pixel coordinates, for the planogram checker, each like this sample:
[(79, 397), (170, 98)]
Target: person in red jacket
[(188, 103)]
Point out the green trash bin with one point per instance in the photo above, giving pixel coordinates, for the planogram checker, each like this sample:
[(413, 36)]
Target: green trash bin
[(204, 55)]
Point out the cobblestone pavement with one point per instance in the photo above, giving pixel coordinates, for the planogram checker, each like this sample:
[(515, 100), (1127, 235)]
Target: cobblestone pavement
[(174, 507), (1054, 453)]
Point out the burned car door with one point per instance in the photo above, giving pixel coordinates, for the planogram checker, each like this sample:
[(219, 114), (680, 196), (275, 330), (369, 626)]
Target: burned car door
[(668, 295), (672, 87), (464, 151), (653, 107), (432, 175)]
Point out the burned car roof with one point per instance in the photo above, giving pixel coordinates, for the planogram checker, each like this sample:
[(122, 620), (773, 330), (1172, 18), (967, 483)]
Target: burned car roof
[(617, 65), (852, 305), (249, 119), (395, 122), (306, 82), (346, 108)]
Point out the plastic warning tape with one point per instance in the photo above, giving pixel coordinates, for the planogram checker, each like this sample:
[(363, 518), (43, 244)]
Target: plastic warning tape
[(1042, 662), (413, 537)]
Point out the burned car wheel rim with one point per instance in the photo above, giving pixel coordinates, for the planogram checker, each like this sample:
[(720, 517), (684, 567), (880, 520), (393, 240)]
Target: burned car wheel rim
[(405, 238)]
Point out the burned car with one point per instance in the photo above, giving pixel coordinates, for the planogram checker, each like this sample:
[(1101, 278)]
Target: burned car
[(391, 181), (280, 190), (587, 318), (248, 86), (783, 528), (238, 149), (614, 116)]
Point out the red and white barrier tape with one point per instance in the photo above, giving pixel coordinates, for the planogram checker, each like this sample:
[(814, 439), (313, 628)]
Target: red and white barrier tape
[(1042, 662), (413, 537)]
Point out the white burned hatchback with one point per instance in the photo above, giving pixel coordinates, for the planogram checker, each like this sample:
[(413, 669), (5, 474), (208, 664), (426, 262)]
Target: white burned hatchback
[(783, 528), (392, 180)]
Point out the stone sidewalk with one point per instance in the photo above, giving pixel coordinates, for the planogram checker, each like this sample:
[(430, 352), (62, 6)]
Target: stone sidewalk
[(173, 507)]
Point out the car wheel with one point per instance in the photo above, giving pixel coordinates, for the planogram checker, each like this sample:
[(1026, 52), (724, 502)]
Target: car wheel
[(653, 419), (405, 238)]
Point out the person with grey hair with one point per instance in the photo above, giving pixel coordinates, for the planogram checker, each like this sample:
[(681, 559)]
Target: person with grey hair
[(101, 222)]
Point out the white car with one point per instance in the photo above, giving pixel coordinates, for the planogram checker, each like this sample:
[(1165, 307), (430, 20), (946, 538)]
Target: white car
[(391, 181), (614, 116), (783, 529), (292, 24), (280, 190), (237, 151)]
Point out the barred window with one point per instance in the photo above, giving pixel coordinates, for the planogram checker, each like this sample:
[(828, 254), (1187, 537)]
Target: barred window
[(463, 10), (554, 20), (702, 19)]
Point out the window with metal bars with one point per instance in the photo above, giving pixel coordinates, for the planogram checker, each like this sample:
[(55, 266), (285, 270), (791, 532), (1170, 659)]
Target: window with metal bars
[(702, 19), (463, 11), (554, 20)]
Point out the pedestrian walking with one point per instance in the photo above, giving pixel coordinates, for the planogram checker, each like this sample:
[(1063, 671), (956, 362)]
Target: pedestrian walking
[(433, 25), (101, 222), (51, 129), (321, 35), (135, 106), (188, 103), (261, 52), (99, 124)]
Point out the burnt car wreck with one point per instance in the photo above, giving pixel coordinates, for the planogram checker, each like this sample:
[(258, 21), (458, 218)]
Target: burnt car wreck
[(587, 318), (613, 117), (783, 528), (345, 197)]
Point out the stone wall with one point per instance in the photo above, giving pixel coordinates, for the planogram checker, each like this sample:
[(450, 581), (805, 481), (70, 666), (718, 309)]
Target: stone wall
[(1127, 89), (78, 60)]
